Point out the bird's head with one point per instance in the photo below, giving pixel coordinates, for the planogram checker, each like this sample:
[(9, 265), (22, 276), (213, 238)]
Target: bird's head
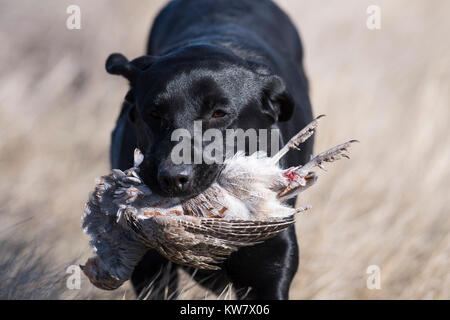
[(99, 276)]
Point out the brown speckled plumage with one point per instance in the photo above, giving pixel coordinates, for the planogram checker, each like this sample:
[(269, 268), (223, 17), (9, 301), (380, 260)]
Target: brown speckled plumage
[(242, 208)]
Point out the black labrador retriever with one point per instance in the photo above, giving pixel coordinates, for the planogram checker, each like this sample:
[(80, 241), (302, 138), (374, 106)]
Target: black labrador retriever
[(229, 64)]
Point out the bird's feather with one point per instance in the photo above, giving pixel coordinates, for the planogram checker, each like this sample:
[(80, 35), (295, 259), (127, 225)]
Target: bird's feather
[(205, 240)]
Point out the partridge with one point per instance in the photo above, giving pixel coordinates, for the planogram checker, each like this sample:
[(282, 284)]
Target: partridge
[(243, 207)]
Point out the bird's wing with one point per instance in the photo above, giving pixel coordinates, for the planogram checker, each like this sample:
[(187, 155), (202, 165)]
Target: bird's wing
[(204, 242)]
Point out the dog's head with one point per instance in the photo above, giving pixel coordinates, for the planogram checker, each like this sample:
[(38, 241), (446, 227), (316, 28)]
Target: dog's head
[(196, 83)]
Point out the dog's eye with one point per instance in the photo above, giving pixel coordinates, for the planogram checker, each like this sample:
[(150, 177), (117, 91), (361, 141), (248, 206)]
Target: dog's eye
[(218, 114), (155, 114)]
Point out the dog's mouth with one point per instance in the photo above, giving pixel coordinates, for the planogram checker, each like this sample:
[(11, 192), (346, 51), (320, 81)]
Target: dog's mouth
[(201, 181), (206, 182)]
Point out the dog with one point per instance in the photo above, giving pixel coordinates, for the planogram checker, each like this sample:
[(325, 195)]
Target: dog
[(230, 64)]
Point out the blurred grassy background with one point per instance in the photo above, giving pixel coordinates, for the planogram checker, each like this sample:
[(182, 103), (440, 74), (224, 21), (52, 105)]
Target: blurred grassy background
[(388, 88)]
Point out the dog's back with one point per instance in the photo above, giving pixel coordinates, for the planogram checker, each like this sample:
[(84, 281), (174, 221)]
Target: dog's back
[(261, 22)]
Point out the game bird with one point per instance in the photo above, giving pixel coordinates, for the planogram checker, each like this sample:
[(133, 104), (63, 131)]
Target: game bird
[(243, 207)]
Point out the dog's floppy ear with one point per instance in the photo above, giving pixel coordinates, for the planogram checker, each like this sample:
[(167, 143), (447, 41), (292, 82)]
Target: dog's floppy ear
[(118, 64), (277, 101)]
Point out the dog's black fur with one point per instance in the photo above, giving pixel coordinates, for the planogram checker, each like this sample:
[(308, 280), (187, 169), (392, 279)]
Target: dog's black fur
[(232, 64)]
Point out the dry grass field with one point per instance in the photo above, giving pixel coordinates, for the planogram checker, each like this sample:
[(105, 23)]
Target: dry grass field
[(389, 88)]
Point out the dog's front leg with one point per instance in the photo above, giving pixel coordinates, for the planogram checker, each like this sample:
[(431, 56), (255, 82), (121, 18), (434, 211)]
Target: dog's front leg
[(265, 271), (155, 278)]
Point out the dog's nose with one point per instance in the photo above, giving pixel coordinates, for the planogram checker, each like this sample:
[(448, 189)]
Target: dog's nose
[(176, 180)]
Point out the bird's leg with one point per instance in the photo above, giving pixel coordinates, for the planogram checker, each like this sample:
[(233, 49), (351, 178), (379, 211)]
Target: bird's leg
[(296, 184), (302, 209), (301, 178), (333, 154), (298, 139)]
